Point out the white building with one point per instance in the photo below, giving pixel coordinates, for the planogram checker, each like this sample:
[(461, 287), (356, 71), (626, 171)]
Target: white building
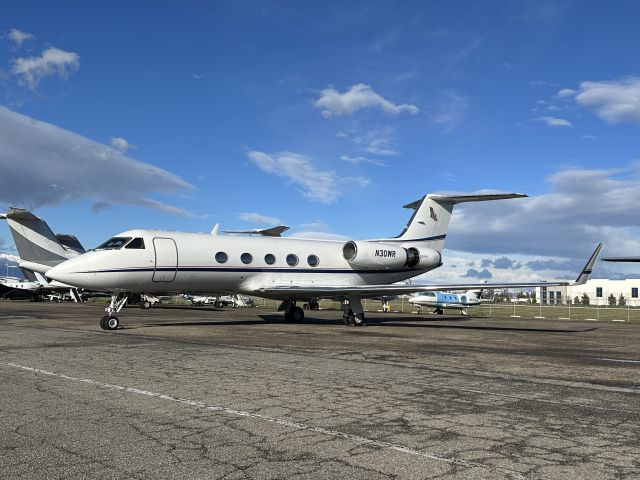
[(598, 290)]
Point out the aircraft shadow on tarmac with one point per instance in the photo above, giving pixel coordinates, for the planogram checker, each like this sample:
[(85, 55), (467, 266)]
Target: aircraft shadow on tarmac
[(403, 322), (188, 307)]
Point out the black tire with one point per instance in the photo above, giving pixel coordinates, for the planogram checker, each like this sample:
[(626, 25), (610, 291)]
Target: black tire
[(297, 315), (218, 304), (112, 323), (145, 304), (103, 322), (358, 320)]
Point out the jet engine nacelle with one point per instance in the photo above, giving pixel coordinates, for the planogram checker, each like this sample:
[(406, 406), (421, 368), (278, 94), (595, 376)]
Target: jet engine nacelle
[(388, 256)]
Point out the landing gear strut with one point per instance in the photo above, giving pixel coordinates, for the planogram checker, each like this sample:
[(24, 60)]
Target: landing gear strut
[(353, 313), (110, 321)]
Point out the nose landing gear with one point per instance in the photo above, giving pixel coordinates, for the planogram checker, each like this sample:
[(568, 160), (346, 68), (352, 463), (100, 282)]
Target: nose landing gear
[(110, 321)]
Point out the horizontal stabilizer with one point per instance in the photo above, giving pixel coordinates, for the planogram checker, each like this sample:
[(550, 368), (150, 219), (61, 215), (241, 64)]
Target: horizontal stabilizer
[(455, 199), (266, 232)]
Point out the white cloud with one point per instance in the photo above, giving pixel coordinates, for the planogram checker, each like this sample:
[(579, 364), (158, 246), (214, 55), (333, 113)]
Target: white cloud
[(53, 61), (616, 101), (376, 142), (566, 93), (43, 164), (334, 103), (356, 160), (451, 111), (261, 219), (317, 184), (121, 144), (583, 207), (525, 268), (554, 122), (318, 224), (19, 37)]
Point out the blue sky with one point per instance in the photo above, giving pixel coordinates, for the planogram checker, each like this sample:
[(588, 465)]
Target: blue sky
[(328, 117)]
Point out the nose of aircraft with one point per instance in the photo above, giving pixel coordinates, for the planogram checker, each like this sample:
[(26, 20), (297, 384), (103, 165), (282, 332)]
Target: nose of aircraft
[(74, 271)]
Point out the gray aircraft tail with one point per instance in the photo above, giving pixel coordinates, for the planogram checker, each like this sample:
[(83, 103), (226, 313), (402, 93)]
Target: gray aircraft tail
[(430, 220), (35, 241)]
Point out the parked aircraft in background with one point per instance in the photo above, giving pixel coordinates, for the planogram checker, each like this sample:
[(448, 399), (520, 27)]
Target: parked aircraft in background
[(282, 268), (220, 301), (40, 249), (441, 300), (18, 289)]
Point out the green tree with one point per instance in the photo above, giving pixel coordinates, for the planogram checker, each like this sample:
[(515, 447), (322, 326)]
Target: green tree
[(585, 299), (611, 300), (533, 297), (622, 301), (576, 300)]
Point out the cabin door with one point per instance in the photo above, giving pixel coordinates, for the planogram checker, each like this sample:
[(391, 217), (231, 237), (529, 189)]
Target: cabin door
[(166, 260)]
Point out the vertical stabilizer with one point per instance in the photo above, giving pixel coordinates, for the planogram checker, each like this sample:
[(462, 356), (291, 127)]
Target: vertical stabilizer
[(430, 220)]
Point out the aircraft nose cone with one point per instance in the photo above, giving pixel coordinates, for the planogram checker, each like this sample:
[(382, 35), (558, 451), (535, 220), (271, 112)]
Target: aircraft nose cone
[(72, 272)]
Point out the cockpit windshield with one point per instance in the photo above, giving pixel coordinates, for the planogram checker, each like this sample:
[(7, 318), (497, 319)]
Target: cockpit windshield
[(115, 243), (136, 244)]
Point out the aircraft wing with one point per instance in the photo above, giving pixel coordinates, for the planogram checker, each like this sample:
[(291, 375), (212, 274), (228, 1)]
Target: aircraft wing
[(621, 259), (335, 291), (367, 291), (265, 232)]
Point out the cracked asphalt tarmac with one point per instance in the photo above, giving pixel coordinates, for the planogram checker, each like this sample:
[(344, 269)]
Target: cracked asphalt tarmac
[(230, 394)]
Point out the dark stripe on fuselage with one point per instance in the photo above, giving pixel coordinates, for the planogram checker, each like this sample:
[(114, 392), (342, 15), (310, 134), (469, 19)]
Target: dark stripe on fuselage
[(249, 270)]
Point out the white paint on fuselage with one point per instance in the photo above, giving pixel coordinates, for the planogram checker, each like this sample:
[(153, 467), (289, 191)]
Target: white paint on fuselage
[(132, 270)]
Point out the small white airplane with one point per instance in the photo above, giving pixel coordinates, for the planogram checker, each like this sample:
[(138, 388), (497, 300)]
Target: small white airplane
[(281, 268), (441, 300)]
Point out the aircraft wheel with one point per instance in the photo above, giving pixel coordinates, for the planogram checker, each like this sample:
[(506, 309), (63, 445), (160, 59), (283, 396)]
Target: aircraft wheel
[(294, 315), (218, 304), (349, 319), (109, 322), (297, 316), (358, 320), (145, 304)]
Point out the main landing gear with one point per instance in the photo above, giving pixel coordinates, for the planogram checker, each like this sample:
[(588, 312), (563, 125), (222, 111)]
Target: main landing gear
[(292, 313), (110, 320), (353, 313)]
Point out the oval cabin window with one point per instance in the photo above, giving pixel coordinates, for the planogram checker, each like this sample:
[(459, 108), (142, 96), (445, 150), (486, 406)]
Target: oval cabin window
[(269, 259), (246, 258), (292, 260), (221, 257), (313, 260)]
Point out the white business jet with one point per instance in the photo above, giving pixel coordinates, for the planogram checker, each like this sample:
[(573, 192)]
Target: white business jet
[(288, 269)]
